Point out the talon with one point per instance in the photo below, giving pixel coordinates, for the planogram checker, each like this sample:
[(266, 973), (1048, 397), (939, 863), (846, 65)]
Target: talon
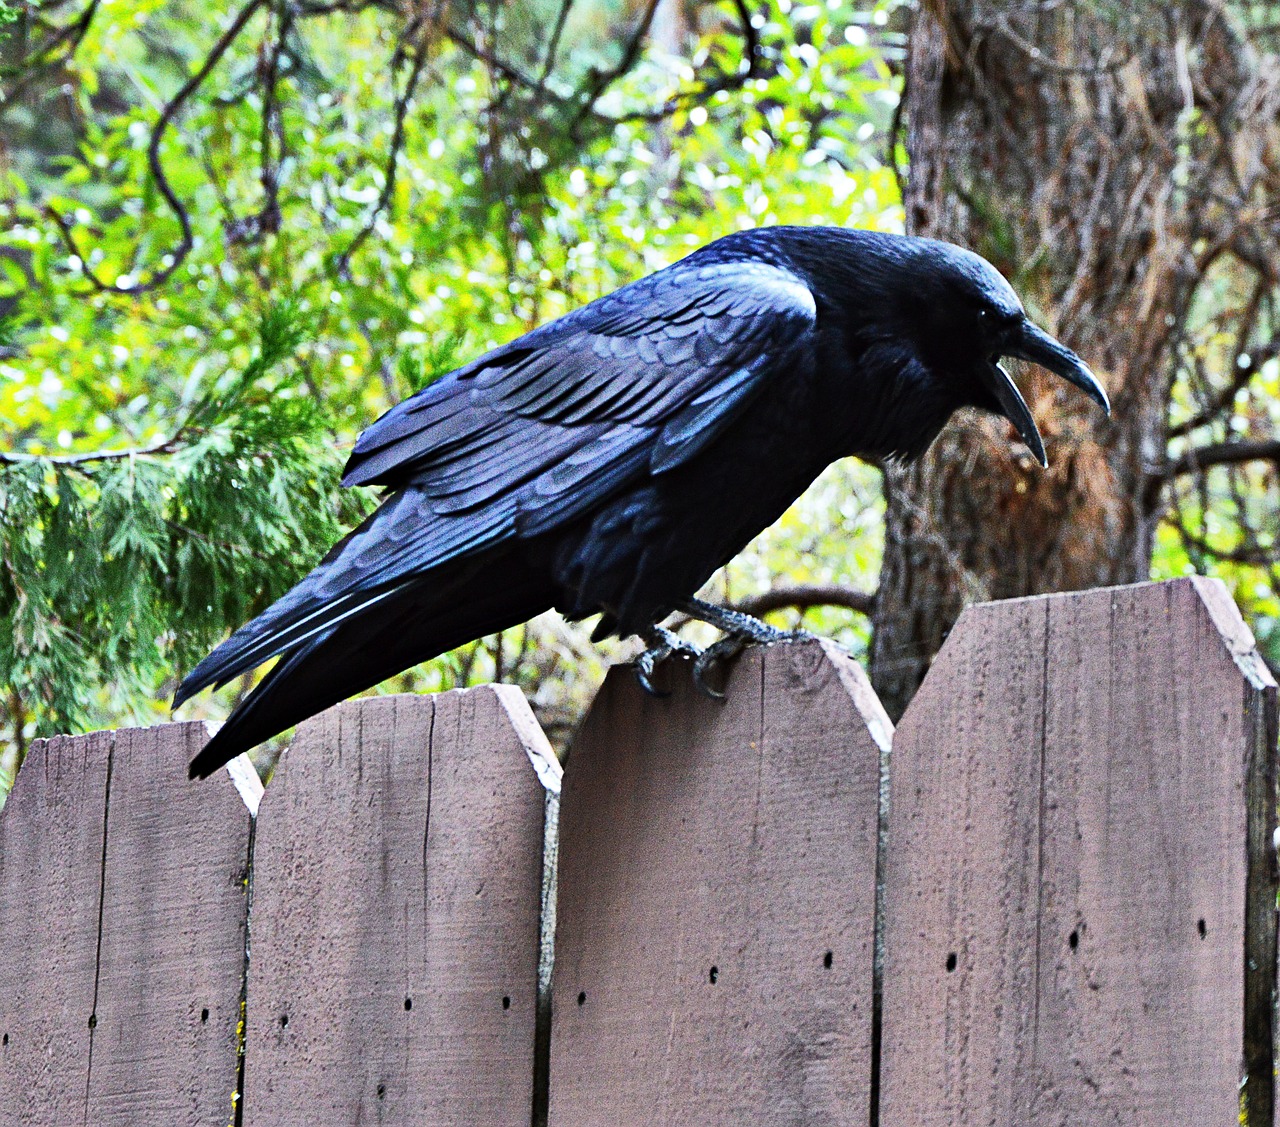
[(645, 664), (663, 643), (725, 649)]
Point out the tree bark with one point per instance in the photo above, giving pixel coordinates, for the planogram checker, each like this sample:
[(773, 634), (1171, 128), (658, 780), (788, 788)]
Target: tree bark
[(1059, 141)]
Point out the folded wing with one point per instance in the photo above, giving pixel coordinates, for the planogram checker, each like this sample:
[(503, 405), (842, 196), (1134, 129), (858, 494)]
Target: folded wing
[(540, 431)]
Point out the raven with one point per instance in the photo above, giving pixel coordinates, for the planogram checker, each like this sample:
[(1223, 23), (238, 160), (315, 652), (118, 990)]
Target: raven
[(610, 461)]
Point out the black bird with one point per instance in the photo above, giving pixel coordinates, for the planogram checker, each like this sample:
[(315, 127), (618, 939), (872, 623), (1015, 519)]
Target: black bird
[(609, 462)]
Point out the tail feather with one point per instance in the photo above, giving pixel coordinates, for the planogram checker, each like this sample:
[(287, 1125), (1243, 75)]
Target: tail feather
[(403, 544), (269, 634), (413, 623)]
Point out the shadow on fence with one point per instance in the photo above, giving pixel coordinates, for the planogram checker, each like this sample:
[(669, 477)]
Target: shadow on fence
[(1057, 907)]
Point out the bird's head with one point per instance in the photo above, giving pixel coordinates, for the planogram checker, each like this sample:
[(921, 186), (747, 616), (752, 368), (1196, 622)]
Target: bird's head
[(966, 318)]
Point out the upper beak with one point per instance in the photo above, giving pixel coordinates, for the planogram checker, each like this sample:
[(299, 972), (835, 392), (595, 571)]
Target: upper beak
[(1030, 343)]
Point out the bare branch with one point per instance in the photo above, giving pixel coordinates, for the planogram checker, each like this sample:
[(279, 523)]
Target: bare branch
[(509, 72), (1239, 381), (168, 446), (170, 111), (1220, 454), (553, 47), (600, 81), (1108, 62), (1199, 549), (708, 87), (804, 596), (69, 37), (342, 264)]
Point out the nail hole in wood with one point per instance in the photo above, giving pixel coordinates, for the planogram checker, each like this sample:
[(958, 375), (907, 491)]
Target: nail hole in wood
[(382, 1091), (408, 1004), (204, 1016), (713, 974), (93, 1021), (1073, 940), (284, 1021), (828, 959), (506, 1002), (951, 962), (582, 998), (1202, 928), (6, 1038)]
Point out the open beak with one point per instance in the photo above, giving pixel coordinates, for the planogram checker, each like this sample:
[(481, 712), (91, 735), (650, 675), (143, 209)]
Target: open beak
[(1030, 343)]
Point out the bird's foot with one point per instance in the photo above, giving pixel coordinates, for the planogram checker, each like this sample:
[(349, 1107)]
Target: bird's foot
[(740, 631), (662, 644)]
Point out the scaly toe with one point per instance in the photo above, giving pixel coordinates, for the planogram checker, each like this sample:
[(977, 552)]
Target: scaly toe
[(664, 644), (799, 636)]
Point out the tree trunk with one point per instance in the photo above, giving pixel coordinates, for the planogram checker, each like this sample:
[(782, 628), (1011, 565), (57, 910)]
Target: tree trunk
[(1056, 140)]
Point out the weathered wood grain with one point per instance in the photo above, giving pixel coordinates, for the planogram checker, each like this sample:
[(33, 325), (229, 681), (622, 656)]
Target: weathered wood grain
[(394, 926), (1078, 872), (122, 906), (715, 922)]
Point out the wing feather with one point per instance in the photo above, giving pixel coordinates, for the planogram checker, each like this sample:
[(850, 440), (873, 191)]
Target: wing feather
[(538, 432)]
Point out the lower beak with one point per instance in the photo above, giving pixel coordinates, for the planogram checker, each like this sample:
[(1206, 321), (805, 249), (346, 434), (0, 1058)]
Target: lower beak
[(1015, 409), (1031, 343)]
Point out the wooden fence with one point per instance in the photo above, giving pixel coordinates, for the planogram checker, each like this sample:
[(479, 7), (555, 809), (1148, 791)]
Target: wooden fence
[(1048, 898)]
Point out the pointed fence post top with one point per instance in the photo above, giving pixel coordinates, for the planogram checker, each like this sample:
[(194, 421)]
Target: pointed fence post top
[(1191, 599), (497, 713)]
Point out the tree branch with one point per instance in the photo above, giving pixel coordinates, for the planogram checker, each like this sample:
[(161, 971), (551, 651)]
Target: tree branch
[(1220, 454), (342, 264), (170, 111), (70, 36), (804, 596), (600, 81), (168, 446), (1239, 381), (708, 87)]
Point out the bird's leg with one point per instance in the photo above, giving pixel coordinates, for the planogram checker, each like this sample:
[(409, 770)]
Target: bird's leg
[(740, 630), (662, 644)]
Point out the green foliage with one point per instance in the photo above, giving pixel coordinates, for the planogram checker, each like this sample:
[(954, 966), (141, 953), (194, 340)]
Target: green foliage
[(120, 567), (1224, 521)]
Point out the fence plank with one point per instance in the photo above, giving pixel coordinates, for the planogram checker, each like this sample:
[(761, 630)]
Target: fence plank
[(397, 872), (1071, 900), (120, 999), (715, 922)]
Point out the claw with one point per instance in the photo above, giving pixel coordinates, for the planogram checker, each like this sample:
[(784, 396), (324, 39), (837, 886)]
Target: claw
[(662, 644), (725, 649)]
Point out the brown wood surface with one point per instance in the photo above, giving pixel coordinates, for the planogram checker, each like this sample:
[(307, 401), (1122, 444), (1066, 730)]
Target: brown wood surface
[(715, 921), (394, 926), (1071, 906), (122, 907)]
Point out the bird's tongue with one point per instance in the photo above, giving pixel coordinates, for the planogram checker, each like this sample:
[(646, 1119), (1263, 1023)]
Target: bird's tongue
[(1015, 409)]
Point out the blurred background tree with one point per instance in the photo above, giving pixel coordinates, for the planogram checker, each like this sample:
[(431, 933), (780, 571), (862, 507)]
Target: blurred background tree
[(234, 233)]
